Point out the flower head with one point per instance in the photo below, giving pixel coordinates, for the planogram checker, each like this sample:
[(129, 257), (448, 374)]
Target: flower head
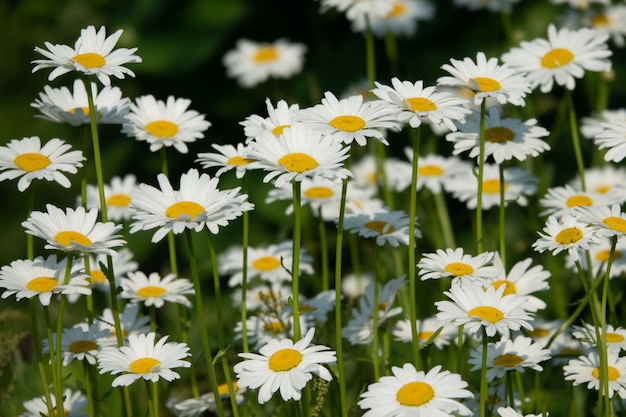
[(74, 405), (385, 226), (567, 234), (227, 157), (278, 118), (154, 290), (586, 369), (117, 197), (456, 264), (612, 138), (401, 20)]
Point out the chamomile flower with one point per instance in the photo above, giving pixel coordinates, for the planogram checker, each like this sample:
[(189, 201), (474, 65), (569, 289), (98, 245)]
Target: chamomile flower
[(612, 138), (615, 336), (252, 63), (600, 253), (561, 58), (591, 126), (487, 78), (278, 118), (196, 205), (154, 290), (164, 123), (28, 160), (586, 370), (603, 180), (430, 328), (284, 365), (562, 201), (505, 138), (130, 321), (74, 405), (401, 20), (456, 264), (435, 171), (543, 331), (416, 103), (81, 342), (117, 197), (608, 221), (298, 153), (349, 119), (227, 157), (74, 230), (409, 392), (42, 277), (196, 407), (92, 54), (315, 192), (72, 107), (385, 226), (491, 5), (141, 357), (565, 234), (610, 20), (509, 355), (475, 308)]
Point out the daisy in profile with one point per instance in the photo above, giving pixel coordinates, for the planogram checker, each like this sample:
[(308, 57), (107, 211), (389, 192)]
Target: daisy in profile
[(387, 227), (252, 63), (74, 230), (41, 278), (164, 123), (61, 105), (505, 138), (276, 322), (507, 355), (603, 180), (284, 365), (315, 192), (117, 197), (196, 205), (416, 103), (297, 153), (612, 138), (82, 342), (456, 264), (349, 119), (487, 78), (131, 322), (615, 336), (561, 58), (74, 405), (565, 234), (401, 20), (586, 370), (592, 125), (435, 171), (429, 330), (227, 158), (154, 290), (475, 308), (564, 200), (263, 296), (492, 5), (141, 357), (92, 54), (419, 393), (28, 160), (278, 118), (196, 407)]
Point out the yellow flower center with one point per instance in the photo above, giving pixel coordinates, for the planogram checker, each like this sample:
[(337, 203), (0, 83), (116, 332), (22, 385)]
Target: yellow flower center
[(459, 268), (614, 338), (615, 223), (298, 162), (379, 226), (539, 332), (30, 162), (118, 200), (150, 291), (41, 284), (486, 84), (284, 360), (612, 374), (82, 346), (507, 360), (144, 365), (97, 276), (556, 58), (265, 54), (414, 394), (69, 236), (89, 60), (600, 20), (421, 104), (499, 134), (347, 123), (492, 186), (189, 209), (238, 160), (222, 389), (487, 313), (509, 287), (85, 110), (397, 10), (425, 335), (273, 327), (578, 200), (568, 236), (278, 130), (162, 128), (430, 171), (266, 263), (318, 192), (602, 189), (603, 255)]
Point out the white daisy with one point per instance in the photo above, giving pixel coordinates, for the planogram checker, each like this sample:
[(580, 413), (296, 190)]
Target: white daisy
[(197, 204), (74, 405), (565, 234), (81, 342), (284, 365), (416, 393), (602, 180), (367, 175), (252, 63), (26, 158), (456, 264), (491, 5), (610, 19), (262, 296), (585, 369), (227, 157), (608, 221), (599, 253), (142, 358), (353, 285), (435, 171), (131, 322), (92, 54), (591, 126), (487, 78), (319, 306), (510, 412), (196, 407), (563, 201), (360, 9), (385, 226), (580, 4), (543, 331), (615, 336), (426, 330), (164, 123), (316, 192), (612, 138), (279, 118), (154, 290), (276, 323), (122, 263), (401, 20), (561, 58), (117, 197)]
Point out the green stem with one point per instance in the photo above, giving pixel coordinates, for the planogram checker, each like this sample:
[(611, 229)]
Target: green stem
[(391, 47), (338, 338), (483, 377), (375, 361), (502, 218), (40, 362), (244, 272), (444, 218), (411, 260), (59, 331), (323, 250), (370, 55), (479, 197), (573, 125), (295, 270), (52, 357), (153, 400), (30, 245)]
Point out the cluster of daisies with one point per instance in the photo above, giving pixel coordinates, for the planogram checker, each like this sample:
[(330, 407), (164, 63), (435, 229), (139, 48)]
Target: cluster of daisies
[(316, 158)]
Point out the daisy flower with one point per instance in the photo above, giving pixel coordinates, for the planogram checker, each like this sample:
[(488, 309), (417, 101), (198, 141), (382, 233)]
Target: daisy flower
[(505, 138), (612, 138), (252, 63), (599, 254), (265, 326), (456, 264), (385, 226), (608, 221), (475, 308), (580, 4), (561, 58), (509, 355), (142, 358), (279, 118), (615, 337), (26, 158), (123, 263), (266, 297), (435, 171), (487, 78), (74, 230), (562, 201), (319, 306), (591, 126), (360, 9), (297, 153), (227, 157), (164, 123), (74, 405), (418, 393), (316, 192), (154, 290), (610, 20), (602, 180), (354, 285), (565, 234), (197, 204), (81, 342), (366, 173), (41, 278), (61, 105), (130, 321), (349, 119), (491, 5), (196, 407), (510, 412), (284, 365), (92, 54), (401, 20), (426, 329), (586, 369), (117, 197), (416, 103)]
